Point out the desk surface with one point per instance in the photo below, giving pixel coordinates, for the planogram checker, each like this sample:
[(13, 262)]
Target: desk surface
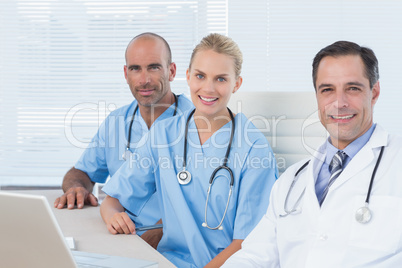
[(90, 233)]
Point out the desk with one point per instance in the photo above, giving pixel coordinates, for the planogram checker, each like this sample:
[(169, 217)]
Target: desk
[(90, 233)]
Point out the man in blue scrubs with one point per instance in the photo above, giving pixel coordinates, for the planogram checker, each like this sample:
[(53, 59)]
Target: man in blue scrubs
[(148, 72)]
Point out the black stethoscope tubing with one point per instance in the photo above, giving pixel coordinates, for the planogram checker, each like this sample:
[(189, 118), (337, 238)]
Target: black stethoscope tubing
[(366, 210), (225, 160), (132, 120), (373, 175), (184, 176)]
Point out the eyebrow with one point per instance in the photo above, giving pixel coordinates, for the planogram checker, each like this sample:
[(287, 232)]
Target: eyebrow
[(349, 84), (355, 84), (132, 65), (199, 71), (324, 85), (154, 65), (149, 65), (218, 75)]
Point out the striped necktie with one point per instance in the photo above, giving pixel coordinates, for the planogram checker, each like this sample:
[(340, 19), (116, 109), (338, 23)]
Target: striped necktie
[(335, 167)]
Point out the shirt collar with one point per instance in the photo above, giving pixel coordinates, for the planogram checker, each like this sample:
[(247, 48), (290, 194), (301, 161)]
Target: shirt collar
[(352, 149)]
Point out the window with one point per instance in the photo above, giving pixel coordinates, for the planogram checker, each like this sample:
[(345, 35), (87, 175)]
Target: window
[(61, 62)]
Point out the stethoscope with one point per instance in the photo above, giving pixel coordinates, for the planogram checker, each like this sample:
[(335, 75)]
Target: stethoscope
[(127, 152), (362, 215), (184, 176)]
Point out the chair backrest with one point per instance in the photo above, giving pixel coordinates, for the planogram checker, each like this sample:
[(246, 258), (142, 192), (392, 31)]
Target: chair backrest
[(289, 120)]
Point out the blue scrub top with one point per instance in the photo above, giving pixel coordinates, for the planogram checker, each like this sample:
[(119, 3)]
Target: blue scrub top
[(154, 168), (103, 157)]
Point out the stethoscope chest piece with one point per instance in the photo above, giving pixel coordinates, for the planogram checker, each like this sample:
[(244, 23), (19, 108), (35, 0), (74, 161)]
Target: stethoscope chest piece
[(184, 177), (126, 154), (363, 215)]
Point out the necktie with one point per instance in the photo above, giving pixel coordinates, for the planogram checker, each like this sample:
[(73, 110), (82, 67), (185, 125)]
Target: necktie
[(335, 167)]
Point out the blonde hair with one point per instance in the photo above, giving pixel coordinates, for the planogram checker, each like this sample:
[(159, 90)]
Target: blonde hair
[(223, 45)]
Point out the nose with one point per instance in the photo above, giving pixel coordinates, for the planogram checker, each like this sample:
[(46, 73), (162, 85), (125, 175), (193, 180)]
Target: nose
[(341, 99), (144, 78), (209, 86)]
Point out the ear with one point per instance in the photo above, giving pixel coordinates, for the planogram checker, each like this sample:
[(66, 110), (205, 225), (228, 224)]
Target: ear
[(238, 83), (125, 72), (375, 93), (172, 71), (188, 75)]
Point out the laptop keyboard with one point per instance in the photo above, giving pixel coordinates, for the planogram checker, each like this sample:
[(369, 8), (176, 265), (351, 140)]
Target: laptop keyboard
[(87, 260), (85, 265)]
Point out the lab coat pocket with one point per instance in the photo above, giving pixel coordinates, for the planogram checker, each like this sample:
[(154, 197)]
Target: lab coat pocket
[(294, 227), (383, 231)]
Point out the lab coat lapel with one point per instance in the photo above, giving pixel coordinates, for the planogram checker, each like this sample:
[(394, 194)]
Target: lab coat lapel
[(363, 158), (314, 166)]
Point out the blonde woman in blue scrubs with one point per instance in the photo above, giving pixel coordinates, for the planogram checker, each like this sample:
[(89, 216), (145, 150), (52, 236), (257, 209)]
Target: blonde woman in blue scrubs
[(200, 227)]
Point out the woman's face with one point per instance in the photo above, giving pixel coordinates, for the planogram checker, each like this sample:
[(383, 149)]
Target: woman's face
[(212, 80)]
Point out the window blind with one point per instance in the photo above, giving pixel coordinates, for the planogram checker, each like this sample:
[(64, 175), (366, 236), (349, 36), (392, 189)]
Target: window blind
[(279, 40), (61, 73), (61, 62)]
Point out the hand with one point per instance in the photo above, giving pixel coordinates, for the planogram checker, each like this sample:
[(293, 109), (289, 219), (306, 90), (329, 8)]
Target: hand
[(120, 223), (78, 195)]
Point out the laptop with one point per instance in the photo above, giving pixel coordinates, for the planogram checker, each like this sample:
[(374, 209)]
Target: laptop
[(31, 237)]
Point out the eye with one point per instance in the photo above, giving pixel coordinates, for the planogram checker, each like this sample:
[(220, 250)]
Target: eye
[(155, 67), (134, 68), (327, 89), (199, 76), (221, 79), (354, 88)]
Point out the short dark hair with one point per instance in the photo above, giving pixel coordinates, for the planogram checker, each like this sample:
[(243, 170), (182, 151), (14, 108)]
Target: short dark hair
[(345, 48), (150, 34)]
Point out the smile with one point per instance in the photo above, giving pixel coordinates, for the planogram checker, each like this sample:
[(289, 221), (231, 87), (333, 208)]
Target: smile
[(345, 117), (208, 99)]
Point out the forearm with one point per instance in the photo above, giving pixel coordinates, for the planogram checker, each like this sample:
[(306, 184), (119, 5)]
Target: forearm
[(77, 178), (152, 237), (117, 221), (225, 254), (109, 207)]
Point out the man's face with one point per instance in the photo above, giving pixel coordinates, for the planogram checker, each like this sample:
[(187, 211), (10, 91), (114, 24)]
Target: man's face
[(345, 100), (147, 71)]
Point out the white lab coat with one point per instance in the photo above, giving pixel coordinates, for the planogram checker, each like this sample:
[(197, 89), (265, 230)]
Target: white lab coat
[(329, 236)]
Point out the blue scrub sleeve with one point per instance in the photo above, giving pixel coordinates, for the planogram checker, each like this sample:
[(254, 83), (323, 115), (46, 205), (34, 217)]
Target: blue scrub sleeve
[(93, 160), (257, 178), (134, 183)]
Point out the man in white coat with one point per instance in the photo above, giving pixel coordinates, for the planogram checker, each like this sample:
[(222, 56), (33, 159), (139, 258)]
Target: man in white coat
[(343, 207)]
